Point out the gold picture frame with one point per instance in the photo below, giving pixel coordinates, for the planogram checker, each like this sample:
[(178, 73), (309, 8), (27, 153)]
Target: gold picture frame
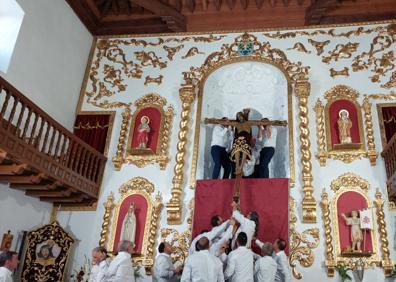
[(142, 158), (135, 186)]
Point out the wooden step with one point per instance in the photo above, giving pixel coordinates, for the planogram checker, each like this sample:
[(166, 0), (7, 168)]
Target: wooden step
[(45, 193), (13, 169), (36, 178), (44, 185), (73, 199)]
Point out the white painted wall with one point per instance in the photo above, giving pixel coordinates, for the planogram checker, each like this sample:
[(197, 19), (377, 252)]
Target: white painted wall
[(47, 66), (87, 225), (49, 58)]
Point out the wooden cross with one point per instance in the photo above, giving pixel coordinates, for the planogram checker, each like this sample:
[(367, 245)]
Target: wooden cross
[(245, 125)]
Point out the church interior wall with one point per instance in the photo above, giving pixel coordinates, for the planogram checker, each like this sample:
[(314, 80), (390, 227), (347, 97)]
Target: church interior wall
[(150, 56), (47, 66)]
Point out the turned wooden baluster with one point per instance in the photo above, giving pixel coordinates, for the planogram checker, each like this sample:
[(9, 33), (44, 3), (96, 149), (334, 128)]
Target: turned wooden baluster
[(32, 135), (27, 123), (20, 117)]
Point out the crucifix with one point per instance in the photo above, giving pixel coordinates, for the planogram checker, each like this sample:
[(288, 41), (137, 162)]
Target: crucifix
[(241, 148)]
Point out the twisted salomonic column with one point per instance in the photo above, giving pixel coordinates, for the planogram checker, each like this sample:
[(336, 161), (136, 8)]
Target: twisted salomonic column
[(174, 206), (371, 153), (119, 159), (387, 264), (157, 207), (109, 205), (329, 239), (320, 133), (302, 88)]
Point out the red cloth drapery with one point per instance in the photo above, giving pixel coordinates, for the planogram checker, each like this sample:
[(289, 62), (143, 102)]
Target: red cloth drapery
[(92, 129), (269, 197), (389, 117)]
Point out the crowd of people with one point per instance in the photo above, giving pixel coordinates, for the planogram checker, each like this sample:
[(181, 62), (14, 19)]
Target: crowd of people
[(221, 254), (261, 149)]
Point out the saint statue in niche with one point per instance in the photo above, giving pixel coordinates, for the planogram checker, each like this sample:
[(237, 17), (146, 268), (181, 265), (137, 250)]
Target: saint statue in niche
[(143, 132), (128, 230), (356, 232), (344, 127)]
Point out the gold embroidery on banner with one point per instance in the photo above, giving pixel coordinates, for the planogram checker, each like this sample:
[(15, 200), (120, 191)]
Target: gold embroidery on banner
[(192, 52)]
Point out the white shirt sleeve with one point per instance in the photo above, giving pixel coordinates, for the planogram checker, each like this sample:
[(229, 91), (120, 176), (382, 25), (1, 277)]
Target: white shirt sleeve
[(259, 243), (230, 269), (186, 276), (163, 268)]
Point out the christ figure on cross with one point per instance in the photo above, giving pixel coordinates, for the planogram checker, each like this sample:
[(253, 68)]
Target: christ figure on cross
[(241, 148)]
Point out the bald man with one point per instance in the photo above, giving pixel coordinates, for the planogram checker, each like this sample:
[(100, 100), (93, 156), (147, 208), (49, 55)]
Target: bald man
[(202, 265)]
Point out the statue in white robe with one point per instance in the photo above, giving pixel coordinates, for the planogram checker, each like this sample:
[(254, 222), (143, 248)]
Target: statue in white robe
[(128, 230)]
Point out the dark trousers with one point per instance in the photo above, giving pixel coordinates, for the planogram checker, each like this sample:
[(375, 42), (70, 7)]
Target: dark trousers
[(266, 155), (220, 159)]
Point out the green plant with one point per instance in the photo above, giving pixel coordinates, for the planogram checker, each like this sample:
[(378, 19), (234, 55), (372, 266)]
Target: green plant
[(342, 271)]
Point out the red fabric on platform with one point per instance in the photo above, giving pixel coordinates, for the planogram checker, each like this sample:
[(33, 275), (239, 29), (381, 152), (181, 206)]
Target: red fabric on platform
[(345, 204), (334, 109), (268, 197), (140, 214)]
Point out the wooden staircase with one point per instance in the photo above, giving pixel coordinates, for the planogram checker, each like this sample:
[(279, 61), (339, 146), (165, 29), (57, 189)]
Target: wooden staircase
[(389, 155), (41, 157)]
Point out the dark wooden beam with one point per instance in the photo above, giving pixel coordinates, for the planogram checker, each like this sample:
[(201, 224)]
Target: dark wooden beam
[(22, 178), (164, 11), (50, 194), (318, 9), (13, 169), (339, 19)]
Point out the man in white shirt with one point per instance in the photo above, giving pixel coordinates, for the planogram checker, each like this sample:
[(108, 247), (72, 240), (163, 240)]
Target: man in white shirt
[(164, 270), (265, 267), (247, 224), (8, 263), (240, 262), (202, 266), (268, 133), (100, 265), (218, 150), (213, 235), (120, 269), (282, 271)]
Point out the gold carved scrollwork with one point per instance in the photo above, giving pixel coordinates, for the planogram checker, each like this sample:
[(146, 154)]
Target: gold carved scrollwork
[(330, 262), (300, 47), (161, 153), (319, 45), (341, 51), (349, 180), (142, 187), (172, 50), (150, 59), (192, 52), (179, 241), (347, 155), (301, 244), (174, 206), (157, 80), (343, 72), (386, 263)]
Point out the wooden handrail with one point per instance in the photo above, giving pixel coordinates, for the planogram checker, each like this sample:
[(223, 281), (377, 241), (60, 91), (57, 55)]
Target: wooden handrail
[(28, 124), (389, 155)]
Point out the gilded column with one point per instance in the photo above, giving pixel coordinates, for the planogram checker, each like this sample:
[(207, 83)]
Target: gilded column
[(386, 263), (174, 206), (109, 205), (371, 153), (302, 88), (320, 133), (119, 159), (153, 232), (330, 263)]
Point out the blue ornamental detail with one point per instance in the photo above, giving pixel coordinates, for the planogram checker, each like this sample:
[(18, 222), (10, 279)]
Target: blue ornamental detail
[(245, 48)]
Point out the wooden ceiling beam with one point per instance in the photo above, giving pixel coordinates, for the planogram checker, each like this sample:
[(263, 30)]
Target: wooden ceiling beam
[(318, 9), (165, 12), (340, 19)]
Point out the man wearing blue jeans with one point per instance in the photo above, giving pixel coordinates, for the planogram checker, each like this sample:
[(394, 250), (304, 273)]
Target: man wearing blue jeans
[(219, 144)]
